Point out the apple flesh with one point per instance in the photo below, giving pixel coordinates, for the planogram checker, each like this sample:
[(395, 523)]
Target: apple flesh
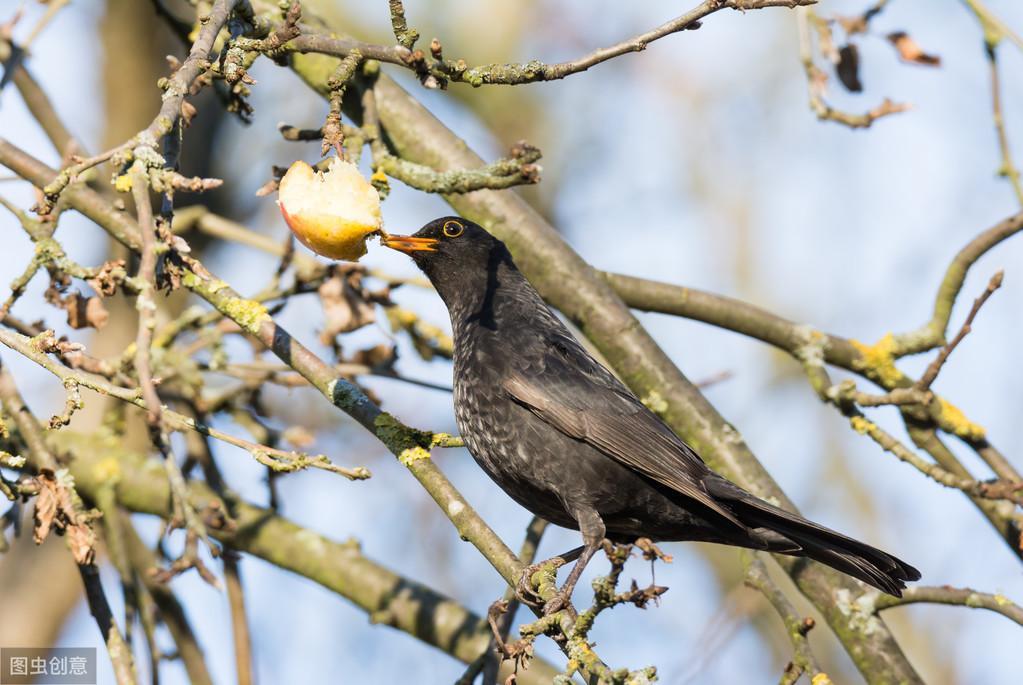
[(332, 212)]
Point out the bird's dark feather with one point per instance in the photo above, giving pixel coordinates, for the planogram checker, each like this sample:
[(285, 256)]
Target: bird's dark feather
[(576, 395)]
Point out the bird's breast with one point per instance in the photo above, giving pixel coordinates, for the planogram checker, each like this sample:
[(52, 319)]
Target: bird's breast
[(503, 437)]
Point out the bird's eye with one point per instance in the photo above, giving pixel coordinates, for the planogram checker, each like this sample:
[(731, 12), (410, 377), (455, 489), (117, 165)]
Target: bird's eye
[(453, 229)]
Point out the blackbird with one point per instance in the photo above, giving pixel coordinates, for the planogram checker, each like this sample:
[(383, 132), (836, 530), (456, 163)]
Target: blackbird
[(563, 437)]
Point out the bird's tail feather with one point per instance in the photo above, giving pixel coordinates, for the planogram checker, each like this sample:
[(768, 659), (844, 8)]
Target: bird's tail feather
[(788, 533)]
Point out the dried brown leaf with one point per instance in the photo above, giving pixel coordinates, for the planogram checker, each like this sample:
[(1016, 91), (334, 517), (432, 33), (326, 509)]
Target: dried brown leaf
[(96, 315), (910, 51), (188, 112), (853, 25), (848, 68), (110, 276), (55, 510), (298, 436), (83, 312), (82, 542), (44, 514), (378, 357), (344, 305)]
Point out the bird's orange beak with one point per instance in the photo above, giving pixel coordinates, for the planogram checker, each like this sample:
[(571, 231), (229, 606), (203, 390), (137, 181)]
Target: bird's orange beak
[(409, 244)]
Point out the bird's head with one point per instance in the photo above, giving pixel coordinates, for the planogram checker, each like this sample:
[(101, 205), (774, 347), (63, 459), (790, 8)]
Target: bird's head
[(459, 257)]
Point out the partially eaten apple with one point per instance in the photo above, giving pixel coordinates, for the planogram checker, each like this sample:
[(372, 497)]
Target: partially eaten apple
[(331, 212)]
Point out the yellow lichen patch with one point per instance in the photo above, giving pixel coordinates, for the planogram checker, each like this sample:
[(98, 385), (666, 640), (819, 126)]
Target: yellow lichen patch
[(446, 440), (122, 183), (248, 314), (860, 424), (402, 317), (107, 470), (821, 679), (655, 402), (11, 460), (956, 422), (1002, 600), (215, 285), (413, 454), (878, 360)]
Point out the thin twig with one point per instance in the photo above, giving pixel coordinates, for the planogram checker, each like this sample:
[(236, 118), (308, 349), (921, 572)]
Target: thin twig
[(178, 86), (239, 622), (509, 604), (841, 397), (1008, 168), (146, 306), (444, 70), (935, 366), (165, 602), (992, 24), (797, 627), (932, 333), (953, 596), (406, 36), (52, 7), (145, 302), (280, 460)]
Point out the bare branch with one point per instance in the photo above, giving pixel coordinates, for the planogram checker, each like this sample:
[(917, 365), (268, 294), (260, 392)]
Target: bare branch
[(956, 597), (797, 627), (392, 600), (932, 334), (41, 457), (1008, 168), (444, 70), (406, 36), (935, 367), (178, 86)]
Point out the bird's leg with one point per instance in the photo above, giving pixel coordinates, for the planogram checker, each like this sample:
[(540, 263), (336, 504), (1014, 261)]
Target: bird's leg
[(593, 531), (524, 591)]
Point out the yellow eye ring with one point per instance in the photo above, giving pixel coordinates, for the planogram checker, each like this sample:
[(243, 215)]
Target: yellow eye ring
[(453, 229)]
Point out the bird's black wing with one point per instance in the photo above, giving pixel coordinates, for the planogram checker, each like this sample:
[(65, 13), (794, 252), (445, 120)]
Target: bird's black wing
[(572, 392)]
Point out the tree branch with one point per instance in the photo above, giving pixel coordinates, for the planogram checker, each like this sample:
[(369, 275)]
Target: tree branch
[(43, 459), (178, 86), (932, 333), (444, 70), (797, 627), (953, 596), (141, 486)]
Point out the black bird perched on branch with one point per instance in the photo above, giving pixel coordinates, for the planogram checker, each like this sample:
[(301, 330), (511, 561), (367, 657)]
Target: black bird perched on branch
[(569, 442)]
